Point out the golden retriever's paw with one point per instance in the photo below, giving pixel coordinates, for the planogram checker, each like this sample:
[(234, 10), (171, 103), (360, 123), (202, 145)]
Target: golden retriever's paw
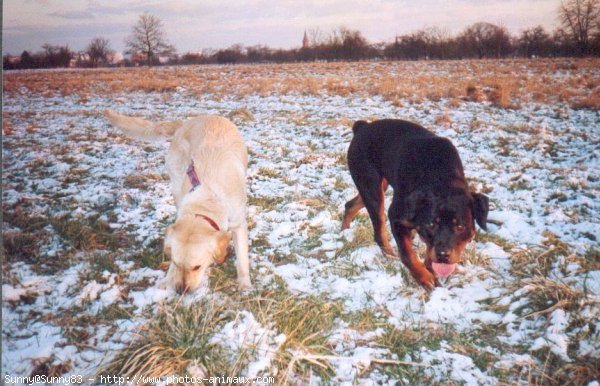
[(109, 114), (164, 284), (244, 283)]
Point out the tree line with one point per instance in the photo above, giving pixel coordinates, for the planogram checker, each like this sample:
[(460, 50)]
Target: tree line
[(480, 40), (96, 54), (577, 35)]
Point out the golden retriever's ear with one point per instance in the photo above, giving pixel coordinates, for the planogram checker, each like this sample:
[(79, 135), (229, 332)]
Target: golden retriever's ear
[(222, 247)]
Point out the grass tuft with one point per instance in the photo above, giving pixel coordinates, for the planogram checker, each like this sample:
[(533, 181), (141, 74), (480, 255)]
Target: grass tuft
[(180, 336), (306, 322), (243, 115), (172, 339), (546, 295), (87, 234), (44, 367), (363, 236), (141, 181)]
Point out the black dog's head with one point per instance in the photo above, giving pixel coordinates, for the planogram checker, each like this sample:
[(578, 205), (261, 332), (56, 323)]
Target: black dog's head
[(445, 221)]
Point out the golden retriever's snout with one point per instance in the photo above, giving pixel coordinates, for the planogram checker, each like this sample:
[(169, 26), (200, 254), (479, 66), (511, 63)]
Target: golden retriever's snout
[(182, 289)]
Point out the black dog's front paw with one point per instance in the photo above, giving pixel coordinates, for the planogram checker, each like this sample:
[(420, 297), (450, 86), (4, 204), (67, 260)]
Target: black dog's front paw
[(426, 279), (389, 253)]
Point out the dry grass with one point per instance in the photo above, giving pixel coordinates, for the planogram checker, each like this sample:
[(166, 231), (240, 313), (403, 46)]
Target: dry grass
[(23, 243), (591, 101), (242, 114), (20, 246), (43, 367), (554, 371), (363, 236), (473, 93), (179, 336), (540, 291), (546, 295), (87, 234), (141, 180), (499, 96), (7, 127), (504, 83), (411, 340), (306, 322), (31, 231), (580, 373), (443, 120), (172, 339)]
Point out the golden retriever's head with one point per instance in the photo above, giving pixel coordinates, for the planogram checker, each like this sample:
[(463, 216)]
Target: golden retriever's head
[(193, 248)]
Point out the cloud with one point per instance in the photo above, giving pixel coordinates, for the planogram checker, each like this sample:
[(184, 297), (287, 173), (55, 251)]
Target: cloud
[(77, 15)]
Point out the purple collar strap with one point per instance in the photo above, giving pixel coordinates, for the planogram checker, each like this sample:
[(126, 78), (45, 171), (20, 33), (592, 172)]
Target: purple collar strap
[(191, 173)]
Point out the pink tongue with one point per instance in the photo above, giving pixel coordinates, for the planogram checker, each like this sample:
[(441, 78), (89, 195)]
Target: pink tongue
[(443, 269)]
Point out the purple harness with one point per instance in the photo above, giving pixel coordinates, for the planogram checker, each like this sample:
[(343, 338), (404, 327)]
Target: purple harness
[(191, 173)]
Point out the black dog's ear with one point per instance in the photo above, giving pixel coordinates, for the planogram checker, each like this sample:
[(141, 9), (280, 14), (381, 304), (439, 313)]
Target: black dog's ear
[(358, 125), (481, 207)]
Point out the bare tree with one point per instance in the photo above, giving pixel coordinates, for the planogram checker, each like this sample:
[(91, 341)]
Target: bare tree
[(487, 40), (315, 37), (354, 45), (581, 19), (535, 42), (233, 54), (436, 39), (28, 60), (98, 51), (148, 38), (56, 56)]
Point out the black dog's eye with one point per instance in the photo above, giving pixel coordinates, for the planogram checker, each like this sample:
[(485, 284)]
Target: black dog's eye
[(430, 226), (459, 228), (196, 268)]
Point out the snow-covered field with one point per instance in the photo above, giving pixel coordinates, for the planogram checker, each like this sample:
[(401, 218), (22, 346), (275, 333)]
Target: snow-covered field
[(85, 208)]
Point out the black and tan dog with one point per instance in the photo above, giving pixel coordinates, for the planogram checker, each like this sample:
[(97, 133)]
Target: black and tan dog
[(431, 194)]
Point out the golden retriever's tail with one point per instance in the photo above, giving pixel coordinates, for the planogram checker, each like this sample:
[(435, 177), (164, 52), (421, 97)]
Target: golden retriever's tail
[(142, 129)]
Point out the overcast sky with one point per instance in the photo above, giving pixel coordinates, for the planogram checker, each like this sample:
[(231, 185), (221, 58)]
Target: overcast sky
[(195, 25)]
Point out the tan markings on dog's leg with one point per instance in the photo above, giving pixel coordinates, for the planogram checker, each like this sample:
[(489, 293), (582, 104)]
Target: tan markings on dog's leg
[(411, 261), (381, 233), (240, 243), (352, 208), (429, 252), (429, 257), (384, 185)]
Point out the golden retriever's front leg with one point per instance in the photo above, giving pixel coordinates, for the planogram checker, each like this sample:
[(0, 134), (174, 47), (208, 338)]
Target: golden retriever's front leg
[(240, 243)]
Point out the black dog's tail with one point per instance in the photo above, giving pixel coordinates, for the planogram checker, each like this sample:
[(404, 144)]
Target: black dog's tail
[(358, 125)]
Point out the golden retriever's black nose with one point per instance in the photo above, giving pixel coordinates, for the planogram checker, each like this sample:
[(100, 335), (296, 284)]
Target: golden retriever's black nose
[(182, 289)]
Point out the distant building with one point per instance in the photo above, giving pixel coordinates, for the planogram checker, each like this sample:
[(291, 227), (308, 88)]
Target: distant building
[(115, 58), (193, 53), (79, 59), (135, 58), (13, 59), (305, 40)]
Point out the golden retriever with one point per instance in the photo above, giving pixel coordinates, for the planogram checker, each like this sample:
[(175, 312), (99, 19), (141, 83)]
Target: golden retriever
[(207, 163)]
